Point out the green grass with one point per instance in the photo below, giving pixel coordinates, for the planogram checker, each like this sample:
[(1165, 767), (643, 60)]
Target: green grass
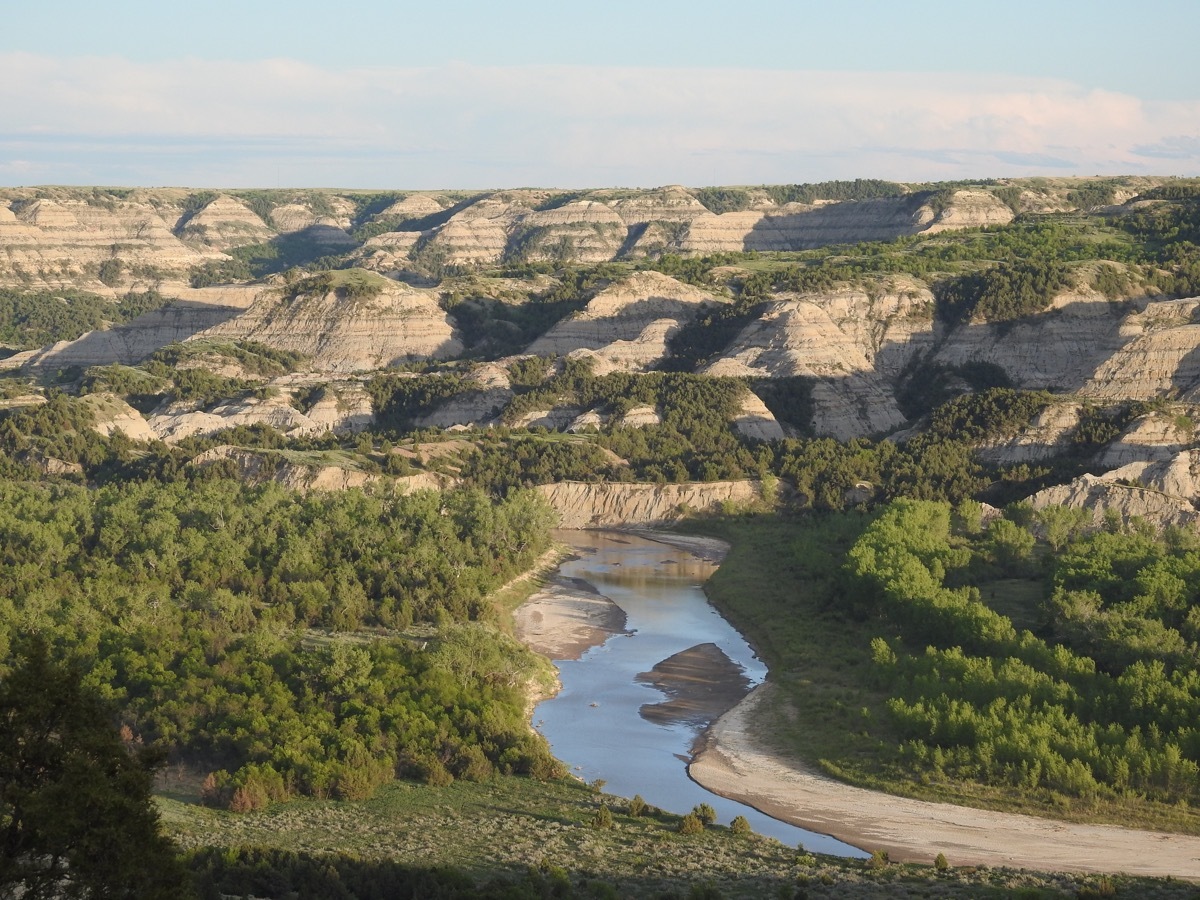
[(508, 825), (780, 587)]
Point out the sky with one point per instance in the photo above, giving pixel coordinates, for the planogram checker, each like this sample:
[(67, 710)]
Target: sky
[(464, 94)]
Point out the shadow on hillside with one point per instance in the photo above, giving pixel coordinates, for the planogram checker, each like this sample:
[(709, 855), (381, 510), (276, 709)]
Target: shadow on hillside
[(1060, 351), (133, 341), (849, 222)]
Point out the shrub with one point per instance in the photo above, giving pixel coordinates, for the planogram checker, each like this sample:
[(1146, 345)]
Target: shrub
[(110, 272), (603, 818), (691, 824), (705, 813), (941, 863), (637, 806), (739, 825)]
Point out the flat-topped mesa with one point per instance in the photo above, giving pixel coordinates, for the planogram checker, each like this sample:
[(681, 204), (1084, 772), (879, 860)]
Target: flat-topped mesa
[(667, 204), (604, 225), (585, 231), (796, 226), (414, 206), (967, 209)]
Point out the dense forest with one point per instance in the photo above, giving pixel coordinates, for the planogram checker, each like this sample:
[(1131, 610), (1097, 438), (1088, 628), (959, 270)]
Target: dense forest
[(1102, 700), (269, 637)]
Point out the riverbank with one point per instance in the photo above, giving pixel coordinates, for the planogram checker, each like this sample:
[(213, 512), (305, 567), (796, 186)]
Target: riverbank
[(735, 762)]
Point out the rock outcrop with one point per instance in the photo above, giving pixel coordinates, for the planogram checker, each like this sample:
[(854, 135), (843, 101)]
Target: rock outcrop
[(343, 335), (112, 414), (588, 505), (1048, 435), (585, 231), (1151, 438), (224, 223), (1104, 496), (755, 421), (971, 209), (470, 408), (195, 312), (852, 341), (63, 241), (629, 323), (1159, 354), (261, 466), (1060, 350)]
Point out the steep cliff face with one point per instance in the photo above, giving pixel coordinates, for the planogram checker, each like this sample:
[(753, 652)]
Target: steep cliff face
[(852, 341), (1159, 354), (62, 242), (224, 223), (628, 324), (397, 325), (196, 311), (581, 505), (1060, 350), (299, 474)]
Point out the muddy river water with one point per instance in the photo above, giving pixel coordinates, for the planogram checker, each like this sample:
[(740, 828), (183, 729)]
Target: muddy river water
[(652, 665)]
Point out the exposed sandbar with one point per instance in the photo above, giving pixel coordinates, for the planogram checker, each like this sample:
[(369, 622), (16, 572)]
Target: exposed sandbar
[(735, 763)]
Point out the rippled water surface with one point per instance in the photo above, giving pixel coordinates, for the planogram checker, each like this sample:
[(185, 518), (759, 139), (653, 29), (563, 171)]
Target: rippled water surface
[(594, 724)]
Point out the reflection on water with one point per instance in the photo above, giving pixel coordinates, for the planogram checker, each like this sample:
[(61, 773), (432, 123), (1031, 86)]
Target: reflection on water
[(594, 725)]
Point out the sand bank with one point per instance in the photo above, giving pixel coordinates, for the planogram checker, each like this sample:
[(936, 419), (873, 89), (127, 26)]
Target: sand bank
[(734, 764)]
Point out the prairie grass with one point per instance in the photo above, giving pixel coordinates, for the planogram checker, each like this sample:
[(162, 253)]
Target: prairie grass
[(508, 826)]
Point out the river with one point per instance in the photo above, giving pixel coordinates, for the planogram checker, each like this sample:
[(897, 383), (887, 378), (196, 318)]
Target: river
[(608, 724)]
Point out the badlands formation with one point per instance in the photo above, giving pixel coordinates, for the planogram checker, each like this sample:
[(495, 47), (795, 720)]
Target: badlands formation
[(854, 345)]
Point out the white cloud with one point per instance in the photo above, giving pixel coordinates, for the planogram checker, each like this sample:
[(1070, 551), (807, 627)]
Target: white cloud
[(190, 121)]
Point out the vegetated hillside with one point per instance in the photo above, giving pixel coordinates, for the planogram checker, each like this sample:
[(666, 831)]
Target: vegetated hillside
[(1076, 291)]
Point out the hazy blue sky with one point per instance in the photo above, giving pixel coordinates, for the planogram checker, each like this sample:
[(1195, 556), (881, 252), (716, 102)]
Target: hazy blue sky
[(566, 94)]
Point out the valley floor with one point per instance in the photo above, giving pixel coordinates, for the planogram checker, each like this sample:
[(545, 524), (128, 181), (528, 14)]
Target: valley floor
[(737, 763)]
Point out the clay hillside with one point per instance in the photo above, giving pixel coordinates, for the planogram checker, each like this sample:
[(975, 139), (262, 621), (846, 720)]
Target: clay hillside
[(330, 338)]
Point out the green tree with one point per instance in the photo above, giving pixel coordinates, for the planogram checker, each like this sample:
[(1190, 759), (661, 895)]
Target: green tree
[(603, 818), (76, 815), (691, 824), (705, 813)]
